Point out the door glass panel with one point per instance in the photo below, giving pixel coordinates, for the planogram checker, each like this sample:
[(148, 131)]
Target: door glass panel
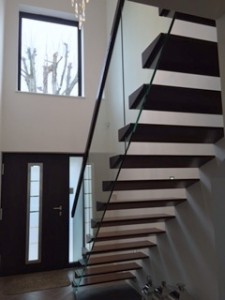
[(34, 188), (34, 204)]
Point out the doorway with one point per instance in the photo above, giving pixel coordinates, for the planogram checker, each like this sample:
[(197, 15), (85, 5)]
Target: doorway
[(52, 222)]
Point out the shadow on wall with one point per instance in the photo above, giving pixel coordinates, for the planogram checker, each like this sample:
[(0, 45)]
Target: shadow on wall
[(186, 253)]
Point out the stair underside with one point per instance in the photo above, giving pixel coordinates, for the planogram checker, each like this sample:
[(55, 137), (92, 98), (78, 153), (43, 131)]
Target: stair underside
[(177, 99), (92, 271), (147, 184), (188, 18), (127, 234), (158, 161), (93, 260), (104, 278), (183, 54), (131, 220), (120, 247), (101, 206), (170, 133)]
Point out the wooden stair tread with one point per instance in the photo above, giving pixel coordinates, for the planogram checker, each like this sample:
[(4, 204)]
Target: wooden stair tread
[(92, 271), (120, 247), (176, 99), (183, 54), (130, 220), (159, 161), (105, 278), (127, 234), (107, 259), (138, 204), (147, 184), (170, 133)]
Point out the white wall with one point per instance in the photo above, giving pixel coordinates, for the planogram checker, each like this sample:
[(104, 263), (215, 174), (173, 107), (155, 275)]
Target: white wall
[(2, 10), (40, 123), (187, 253), (219, 177)]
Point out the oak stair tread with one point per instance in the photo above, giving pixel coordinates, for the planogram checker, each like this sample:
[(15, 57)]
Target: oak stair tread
[(107, 259), (126, 234), (183, 54), (130, 220), (159, 161), (120, 247), (170, 133), (92, 271), (147, 184), (99, 279), (101, 206), (176, 99)]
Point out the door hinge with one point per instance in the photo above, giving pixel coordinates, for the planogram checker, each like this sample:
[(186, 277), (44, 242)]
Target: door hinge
[(3, 169)]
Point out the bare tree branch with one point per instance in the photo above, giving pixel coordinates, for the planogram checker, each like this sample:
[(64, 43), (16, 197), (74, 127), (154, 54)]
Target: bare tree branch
[(66, 52), (29, 73)]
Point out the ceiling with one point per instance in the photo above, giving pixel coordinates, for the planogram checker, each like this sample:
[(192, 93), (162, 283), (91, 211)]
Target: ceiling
[(212, 9)]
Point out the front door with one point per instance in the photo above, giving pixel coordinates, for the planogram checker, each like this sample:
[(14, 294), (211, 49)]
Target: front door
[(34, 235)]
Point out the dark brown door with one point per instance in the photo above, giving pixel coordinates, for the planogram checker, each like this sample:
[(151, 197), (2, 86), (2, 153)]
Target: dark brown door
[(54, 219)]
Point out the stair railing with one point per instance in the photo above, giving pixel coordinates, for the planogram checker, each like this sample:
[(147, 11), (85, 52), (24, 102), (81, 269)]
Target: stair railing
[(115, 26), (104, 153)]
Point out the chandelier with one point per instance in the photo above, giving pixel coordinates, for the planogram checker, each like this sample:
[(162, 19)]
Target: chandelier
[(79, 10)]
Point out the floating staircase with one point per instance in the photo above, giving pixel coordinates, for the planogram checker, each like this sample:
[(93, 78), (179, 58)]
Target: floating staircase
[(122, 239)]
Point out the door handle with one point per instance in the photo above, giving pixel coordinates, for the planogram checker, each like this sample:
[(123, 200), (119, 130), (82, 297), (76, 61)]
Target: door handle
[(58, 208)]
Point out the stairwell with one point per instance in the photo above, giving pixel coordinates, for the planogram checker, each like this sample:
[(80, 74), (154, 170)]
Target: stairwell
[(159, 187)]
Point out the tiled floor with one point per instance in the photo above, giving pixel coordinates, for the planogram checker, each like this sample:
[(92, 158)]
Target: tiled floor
[(59, 294), (65, 293), (107, 292)]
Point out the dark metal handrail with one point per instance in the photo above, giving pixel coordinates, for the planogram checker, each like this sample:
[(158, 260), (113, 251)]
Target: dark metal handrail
[(115, 26)]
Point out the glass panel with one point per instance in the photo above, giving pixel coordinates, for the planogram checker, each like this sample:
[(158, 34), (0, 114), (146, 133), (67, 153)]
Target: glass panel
[(34, 235), (33, 252), (34, 219), (34, 188), (125, 75), (34, 204), (35, 173)]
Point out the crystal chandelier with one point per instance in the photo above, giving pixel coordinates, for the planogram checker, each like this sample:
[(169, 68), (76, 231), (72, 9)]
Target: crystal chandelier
[(79, 10)]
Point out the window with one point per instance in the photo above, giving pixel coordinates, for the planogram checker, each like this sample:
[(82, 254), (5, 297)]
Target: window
[(49, 55), (34, 208)]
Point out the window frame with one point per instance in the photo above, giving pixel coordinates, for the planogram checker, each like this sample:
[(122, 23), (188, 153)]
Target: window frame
[(51, 19)]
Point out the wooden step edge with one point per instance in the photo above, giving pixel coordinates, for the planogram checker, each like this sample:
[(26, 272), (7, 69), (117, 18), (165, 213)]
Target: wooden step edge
[(152, 51), (115, 258), (121, 247), (101, 206), (138, 161), (132, 220), (148, 184), (166, 98), (93, 271), (136, 97), (210, 134), (155, 92), (93, 280), (126, 234)]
